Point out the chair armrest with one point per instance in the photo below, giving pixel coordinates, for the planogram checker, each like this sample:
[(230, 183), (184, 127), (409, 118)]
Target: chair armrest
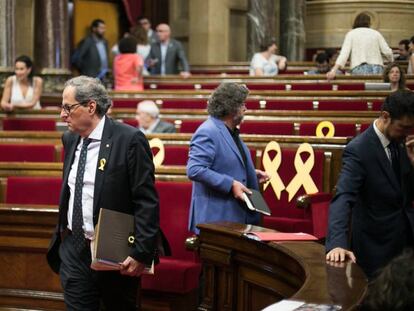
[(192, 243), (305, 201)]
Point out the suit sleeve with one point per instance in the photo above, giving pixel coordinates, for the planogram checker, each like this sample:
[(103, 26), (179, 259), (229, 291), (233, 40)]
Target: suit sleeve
[(145, 199), (182, 58), (348, 187), (200, 161)]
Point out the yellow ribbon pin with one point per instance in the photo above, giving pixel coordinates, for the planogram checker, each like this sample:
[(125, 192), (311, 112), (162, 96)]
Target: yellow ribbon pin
[(323, 125), (160, 155), (302, 177), (271, 167), (102, 163)]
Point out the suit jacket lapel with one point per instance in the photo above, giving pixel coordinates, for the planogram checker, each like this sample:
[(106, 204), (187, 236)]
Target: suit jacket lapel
[(70, 156), (103, 161)]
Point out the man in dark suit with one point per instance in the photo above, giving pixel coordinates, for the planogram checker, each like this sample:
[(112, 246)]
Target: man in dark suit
[(107, 165), (92, 52), (376, 187), (166, 55), (148, 119)]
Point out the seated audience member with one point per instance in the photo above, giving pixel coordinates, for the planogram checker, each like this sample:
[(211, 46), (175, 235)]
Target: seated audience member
[(403, 50), (365, 47), (148, 119), (411, 57), (23, 89), (167, 54), (128, 67), (395, 76), (266, 62), (322, 65), (393, 288)]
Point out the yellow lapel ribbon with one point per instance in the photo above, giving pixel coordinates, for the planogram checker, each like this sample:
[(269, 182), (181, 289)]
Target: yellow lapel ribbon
[(302, 177), (102, 163), (325, 124), (271, 167), (159, 157)]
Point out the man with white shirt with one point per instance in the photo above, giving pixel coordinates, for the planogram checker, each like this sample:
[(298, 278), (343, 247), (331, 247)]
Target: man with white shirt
[(107, 165), (375, 191), (148, 119), (167, 56)]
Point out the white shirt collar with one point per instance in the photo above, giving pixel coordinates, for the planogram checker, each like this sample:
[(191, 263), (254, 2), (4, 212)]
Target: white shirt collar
[(383, 139), (98, 130)]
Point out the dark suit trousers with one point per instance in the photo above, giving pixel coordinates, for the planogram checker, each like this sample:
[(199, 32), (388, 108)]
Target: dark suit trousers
[(86, 289)]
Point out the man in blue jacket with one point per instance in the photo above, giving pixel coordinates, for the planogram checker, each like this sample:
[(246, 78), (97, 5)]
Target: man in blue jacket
[(375, 191), (219, 162)]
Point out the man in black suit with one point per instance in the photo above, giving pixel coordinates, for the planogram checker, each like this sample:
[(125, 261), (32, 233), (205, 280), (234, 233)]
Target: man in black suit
[(92, 53), (376, 187), (167, 54), (107, 165)]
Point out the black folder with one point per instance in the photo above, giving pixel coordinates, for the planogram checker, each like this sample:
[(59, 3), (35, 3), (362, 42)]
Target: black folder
[(256, 202)]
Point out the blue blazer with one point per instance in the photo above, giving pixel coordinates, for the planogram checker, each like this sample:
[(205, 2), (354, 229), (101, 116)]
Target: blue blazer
[(214, 162), (381, 208)]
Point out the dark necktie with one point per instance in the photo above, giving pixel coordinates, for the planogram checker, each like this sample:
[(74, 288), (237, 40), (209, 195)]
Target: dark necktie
[(395, 160), (77, 215)]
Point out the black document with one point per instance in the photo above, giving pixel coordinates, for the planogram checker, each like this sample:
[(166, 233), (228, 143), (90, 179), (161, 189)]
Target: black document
[(256, 202)]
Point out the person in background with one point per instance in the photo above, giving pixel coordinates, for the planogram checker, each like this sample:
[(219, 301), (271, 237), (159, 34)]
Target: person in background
[(23, 89), (167, 54), (322, 65), (146, 25), (403, 50), (148, 119), (266, 62), (365, 47), (395, 76), (92, 53), (332, 56), (128, 67), (411, 57)]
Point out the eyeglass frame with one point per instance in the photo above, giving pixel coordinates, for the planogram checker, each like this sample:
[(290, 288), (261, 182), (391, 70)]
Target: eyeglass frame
[(70, 108)]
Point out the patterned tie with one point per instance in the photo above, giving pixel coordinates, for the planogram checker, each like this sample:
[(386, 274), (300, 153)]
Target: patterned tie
[(77, 216), (395, 160)]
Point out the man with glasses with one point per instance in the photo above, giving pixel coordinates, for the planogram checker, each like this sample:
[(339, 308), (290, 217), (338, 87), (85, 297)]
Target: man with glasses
[(107, 165), (167, 55)]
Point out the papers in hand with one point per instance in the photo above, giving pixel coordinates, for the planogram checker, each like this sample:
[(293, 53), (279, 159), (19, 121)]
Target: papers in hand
[(280, 236), (293, 305), (255, 202), (114, 238)]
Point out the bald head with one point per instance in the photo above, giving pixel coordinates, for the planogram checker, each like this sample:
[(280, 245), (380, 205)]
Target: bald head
[(163, 32)]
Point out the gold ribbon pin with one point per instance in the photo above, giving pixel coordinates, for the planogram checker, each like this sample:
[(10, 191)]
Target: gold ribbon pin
[(271, 167), (323, 125), (302, 177), (160, 155), (102, 163)]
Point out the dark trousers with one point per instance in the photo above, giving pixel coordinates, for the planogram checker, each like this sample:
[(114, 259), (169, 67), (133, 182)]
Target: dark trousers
[(86, 289)]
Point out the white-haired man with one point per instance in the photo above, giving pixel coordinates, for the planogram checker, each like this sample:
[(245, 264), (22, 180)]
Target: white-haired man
[(148, 119)]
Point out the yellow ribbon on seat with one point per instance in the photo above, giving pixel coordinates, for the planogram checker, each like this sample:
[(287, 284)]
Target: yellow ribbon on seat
[(158, 158), (271, 167), (302, 177), (325, 124)]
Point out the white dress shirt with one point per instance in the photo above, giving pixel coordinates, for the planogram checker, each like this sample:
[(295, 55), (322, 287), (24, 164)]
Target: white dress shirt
[(88, 180), (164, 48), (385, 142)]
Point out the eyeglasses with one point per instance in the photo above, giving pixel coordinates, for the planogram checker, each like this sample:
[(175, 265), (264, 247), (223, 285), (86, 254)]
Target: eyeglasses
[(69, 108)]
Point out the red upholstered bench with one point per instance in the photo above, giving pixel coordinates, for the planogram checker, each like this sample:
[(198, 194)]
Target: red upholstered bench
[(286, 216), (267, 128), (289, 105), (27, 153), (341, 129), (189, 126), (33, 190), (175, 155), (29, 124), (179, 273)]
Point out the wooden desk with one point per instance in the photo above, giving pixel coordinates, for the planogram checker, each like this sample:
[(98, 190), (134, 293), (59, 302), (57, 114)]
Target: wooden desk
[(244, 274)]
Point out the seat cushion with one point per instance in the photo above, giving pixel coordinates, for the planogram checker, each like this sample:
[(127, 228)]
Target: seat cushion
[(173, 276)]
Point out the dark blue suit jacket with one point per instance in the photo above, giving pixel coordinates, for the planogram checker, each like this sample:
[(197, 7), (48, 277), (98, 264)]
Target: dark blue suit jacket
[(381, 208)]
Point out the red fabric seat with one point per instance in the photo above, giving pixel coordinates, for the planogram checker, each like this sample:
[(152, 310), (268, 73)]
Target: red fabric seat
[(341, 129), (184, 104), (29, 125), (190, 126), (125, 103), (266, 128), (27, 153), (179, 273), (33, 190), (311, 86), (289, 105), (132, 122), (176, 155), (351, 87), (346, 105)]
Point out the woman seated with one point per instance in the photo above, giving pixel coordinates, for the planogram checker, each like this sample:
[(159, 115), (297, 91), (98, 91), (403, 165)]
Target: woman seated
[(395, 76), (128, 66), (23, 89), (266, 62)]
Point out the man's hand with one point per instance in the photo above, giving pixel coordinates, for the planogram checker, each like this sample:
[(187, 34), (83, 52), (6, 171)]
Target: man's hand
[(262, 176), (409, 145), (185, 74), (238, 188), (7, 107), (331, 75), (132, 267), (339, 254)]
